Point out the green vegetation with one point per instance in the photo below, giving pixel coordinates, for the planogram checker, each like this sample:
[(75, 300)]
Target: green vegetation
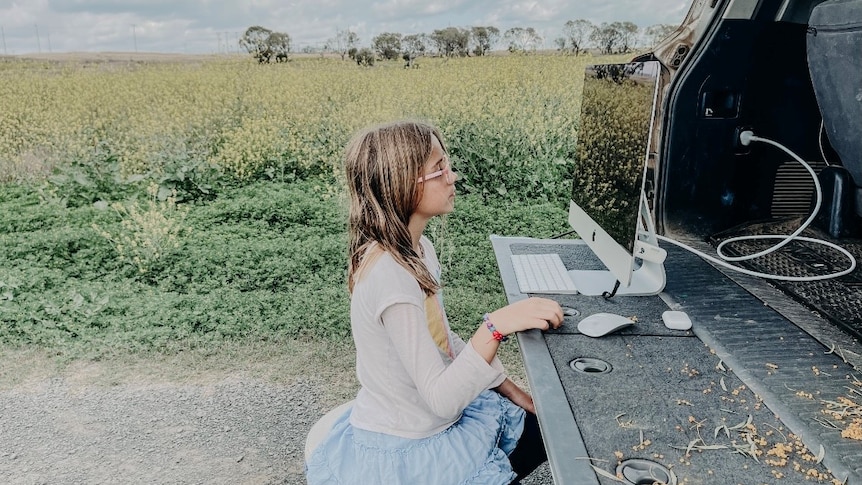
[(263, 262), (160, 220)]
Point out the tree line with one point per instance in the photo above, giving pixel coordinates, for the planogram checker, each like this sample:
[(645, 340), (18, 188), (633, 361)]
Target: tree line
[(577, 37)]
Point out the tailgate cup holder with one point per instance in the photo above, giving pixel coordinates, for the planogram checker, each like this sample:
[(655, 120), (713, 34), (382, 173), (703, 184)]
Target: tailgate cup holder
[(570, 312), (645, 472), (590, 365)]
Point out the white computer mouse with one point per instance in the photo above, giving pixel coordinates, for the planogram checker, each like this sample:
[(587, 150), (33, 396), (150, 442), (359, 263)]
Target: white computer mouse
[(676, 320), (600, 324)]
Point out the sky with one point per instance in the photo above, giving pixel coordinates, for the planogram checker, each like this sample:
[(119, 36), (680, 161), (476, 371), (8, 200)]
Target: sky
[(208, 27)]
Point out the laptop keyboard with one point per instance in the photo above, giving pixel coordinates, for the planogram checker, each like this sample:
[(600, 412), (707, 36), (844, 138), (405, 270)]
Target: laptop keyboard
[(542, 273)]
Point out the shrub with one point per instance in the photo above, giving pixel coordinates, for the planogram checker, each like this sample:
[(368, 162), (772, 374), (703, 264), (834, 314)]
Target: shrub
[(147, 234), (365, 57), (86, 181)]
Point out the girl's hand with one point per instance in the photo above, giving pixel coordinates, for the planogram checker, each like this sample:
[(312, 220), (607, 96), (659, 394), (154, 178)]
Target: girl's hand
[(517, 395), (526, 314), (535, 312)]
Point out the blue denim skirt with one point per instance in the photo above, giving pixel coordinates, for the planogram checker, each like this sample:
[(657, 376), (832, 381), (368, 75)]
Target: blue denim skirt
[(474, 450)]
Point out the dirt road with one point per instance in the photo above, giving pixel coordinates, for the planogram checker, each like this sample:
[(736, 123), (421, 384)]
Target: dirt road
[(235, 419), (235, 416)]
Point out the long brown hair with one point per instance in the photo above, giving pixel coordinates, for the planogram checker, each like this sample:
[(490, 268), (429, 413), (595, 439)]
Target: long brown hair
[(382, 164)]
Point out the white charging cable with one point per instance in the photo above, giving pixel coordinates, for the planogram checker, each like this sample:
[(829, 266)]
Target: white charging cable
[(745, 138)]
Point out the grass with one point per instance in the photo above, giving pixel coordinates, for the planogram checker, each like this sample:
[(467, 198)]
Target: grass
[(264, 262)]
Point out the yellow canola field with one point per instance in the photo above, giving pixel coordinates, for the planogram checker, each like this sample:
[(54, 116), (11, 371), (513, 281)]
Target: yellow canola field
[(247, 118)]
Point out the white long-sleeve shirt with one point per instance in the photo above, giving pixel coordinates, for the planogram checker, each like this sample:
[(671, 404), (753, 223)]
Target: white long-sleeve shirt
[(410, 388)]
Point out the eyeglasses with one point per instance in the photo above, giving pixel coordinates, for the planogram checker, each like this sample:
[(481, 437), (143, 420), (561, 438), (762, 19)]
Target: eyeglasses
[(451, 176)]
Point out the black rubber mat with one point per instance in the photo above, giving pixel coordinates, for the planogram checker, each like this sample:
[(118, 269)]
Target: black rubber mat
[(645, 312), (839, 299), (792, 372), (669, 390), (663, 401)]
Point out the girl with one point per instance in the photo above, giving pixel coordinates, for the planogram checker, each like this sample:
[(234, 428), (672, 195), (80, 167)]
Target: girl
[(432, 409)]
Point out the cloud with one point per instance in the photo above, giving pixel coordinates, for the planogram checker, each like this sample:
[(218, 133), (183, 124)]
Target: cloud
[(151, 8), (204, 26), (411, 9)]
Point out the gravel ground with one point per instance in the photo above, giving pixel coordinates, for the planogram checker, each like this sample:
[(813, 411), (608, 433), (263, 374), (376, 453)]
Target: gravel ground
[(123, 424)]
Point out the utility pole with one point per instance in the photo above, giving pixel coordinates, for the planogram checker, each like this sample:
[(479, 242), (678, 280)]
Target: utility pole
[(3, 33), (134, 38), (38, 42)]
